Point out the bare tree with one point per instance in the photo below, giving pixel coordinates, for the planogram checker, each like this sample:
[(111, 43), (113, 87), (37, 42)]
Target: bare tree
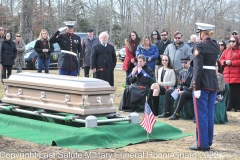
[(26, 20)]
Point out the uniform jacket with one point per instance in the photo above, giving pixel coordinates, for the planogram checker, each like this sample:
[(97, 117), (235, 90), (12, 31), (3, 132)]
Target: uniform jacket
[(43, 44), (169, 78), (8, 52), (176, 54), (68, 42), (231, 73), (206, 53), (161, 48), (130, 53), (20, 47), (186, 79), (151, 52), (87, 45)]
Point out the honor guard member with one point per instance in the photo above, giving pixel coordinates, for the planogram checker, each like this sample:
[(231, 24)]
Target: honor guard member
[(70, 45), (205, 85)]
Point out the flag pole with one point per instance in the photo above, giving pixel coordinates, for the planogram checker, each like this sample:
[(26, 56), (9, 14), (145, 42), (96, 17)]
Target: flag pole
[(147, 137)]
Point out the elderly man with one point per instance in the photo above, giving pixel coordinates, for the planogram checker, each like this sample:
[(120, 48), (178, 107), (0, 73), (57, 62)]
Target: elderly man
[(87, 43), (103, 60), (178, 50), (70, 44), (19, 60)]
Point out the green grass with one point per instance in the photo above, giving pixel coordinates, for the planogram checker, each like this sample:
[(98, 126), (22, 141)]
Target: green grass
[(119, 77)]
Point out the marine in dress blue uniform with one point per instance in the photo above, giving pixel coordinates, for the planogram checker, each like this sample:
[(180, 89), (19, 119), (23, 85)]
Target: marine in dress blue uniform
[(205, 85), (70, 44)]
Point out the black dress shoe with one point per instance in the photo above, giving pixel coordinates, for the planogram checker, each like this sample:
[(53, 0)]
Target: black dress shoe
[(174, 117), (196, 148), (164, 115), (129, 110)]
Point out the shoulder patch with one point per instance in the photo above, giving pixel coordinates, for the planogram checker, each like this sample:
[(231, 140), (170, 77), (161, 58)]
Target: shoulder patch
[(196, 53)]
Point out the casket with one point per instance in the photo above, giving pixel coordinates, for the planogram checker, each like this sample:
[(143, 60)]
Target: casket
[(77, 95)]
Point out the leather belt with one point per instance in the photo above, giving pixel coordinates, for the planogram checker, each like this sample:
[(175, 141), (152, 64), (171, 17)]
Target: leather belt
[(209, 67), (69, 52)]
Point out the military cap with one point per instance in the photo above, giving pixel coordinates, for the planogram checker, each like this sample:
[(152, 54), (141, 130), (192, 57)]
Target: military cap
[(186, 58), (90, 30), (204, 27), (70, 24)]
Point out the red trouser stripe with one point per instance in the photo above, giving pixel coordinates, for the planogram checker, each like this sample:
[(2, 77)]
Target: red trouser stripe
[(196, 119)]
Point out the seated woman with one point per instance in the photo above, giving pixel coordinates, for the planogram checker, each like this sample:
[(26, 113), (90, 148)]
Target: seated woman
[(167, 79), (140, 79), (221, 82)]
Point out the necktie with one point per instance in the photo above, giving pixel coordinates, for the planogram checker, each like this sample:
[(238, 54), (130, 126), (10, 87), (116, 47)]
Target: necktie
[(104, 45), (185, 75)]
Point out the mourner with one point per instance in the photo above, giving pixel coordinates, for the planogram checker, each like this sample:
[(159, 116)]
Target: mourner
[(205, 85), (44, 48), (184, 92), (70, 44), (140, 78), (103, 60), (87, 43), (20, 45), (7, 55)]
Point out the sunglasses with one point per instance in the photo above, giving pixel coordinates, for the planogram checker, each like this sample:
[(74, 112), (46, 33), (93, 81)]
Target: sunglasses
[(234, 34), (221, 44), (232, 41), (178, 37), (163, 35), (154, 34), (184, 62), (165, 60), (1, 29), (18, 36)]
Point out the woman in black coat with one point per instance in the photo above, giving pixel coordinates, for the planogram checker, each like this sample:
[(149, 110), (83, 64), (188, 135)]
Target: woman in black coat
[(44, 48), (8, 54)]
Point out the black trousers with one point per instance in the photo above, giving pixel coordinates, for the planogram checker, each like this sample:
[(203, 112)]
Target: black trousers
[(182, 99), (7, 68), (86, 71)]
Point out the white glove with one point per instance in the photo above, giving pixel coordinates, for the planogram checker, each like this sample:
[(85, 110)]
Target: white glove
[(197, 94), (62, 29)]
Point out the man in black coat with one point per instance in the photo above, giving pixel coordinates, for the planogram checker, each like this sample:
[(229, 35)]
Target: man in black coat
[(87, 43), (103, 60), (184, 93), (140, 78)]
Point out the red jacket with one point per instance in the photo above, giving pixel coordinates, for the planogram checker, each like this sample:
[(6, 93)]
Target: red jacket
[(231, 73), (130, 52)]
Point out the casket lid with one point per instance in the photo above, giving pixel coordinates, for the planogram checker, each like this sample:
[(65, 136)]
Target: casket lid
[(58, 82)]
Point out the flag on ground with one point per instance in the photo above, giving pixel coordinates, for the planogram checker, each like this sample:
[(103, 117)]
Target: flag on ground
[(148, 120)]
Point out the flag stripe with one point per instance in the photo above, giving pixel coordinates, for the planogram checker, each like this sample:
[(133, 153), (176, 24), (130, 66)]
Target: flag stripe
[(148, 120)]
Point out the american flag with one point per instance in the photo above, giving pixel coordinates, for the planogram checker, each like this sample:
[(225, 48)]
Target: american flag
[(148, 120)]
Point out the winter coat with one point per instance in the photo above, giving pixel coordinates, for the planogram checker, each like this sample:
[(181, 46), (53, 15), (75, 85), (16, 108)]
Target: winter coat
[(43, 44), (130, 53), (231, 73), (151, 52), (8, 52), (176, 54), (20, 47)]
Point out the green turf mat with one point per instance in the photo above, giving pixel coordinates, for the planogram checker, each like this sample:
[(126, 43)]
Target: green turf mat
[(114, 135)]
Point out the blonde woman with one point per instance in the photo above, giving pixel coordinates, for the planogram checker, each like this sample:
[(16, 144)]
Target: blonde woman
[(44, 48)]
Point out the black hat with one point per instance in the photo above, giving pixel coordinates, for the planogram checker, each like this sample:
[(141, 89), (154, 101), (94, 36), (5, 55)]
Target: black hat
[(186, 58), (235, 32), (90, 30)]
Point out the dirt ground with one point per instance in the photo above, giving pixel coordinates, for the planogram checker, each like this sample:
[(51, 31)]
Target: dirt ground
[(226, 144)]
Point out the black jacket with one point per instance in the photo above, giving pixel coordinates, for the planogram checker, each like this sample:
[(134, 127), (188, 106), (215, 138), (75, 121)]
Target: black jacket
[(161, 48), (8, 52), (43, 44)]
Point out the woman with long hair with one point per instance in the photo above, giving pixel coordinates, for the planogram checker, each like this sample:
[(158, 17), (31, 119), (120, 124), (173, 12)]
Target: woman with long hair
[(230, 59), (222, 46), (130, 60), (44, 48), (7, 55), (155, 36), (167, 79), (149, 50)]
